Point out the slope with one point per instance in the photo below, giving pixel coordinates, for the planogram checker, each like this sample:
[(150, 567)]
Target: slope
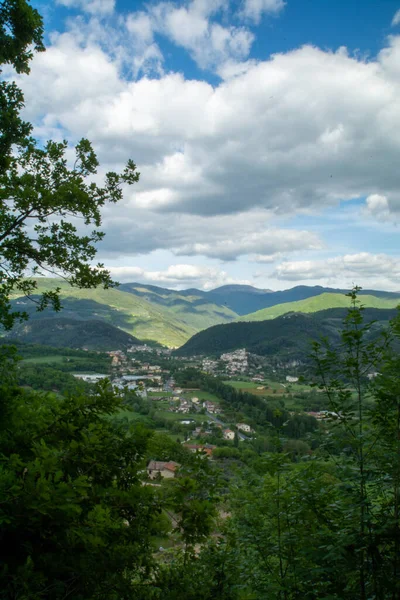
[(247, 299), (134, 315), (322, 302), (192, 307), (64, 332), (287, 336)]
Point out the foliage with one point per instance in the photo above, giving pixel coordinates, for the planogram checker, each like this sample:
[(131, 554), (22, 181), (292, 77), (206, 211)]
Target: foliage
[(21, 28), (285, 338), (75, 519), (39, 189), (237, 403), (39, 192), (327, 526), (63, 332)]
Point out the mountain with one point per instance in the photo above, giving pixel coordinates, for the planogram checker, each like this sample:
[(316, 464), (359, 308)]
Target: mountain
[(246, 299), (171, 317), (64, 332), (317, 303), (169, 322), (192, 307), (287, 336)]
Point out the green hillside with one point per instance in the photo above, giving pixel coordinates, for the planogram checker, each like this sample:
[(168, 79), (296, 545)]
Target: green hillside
[(170, 324), (134, 315), (62, 332), (317, 303), (192, 307), (286, 337)]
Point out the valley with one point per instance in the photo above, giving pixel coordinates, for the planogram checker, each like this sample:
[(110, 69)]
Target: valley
[(171, 318)]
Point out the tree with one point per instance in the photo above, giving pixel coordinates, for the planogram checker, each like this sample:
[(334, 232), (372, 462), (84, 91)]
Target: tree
[(75, 520), (21, 27), (41, 195)]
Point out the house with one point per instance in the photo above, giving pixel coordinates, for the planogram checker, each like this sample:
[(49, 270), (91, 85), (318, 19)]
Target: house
[(90, 378), (244, 427), (228, 434), (195, 400), (207, 449), (159, 468), (291, 379), (210, 406)]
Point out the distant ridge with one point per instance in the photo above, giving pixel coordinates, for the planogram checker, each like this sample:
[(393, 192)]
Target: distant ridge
[(172, 317), (246, 299), (316, 303)]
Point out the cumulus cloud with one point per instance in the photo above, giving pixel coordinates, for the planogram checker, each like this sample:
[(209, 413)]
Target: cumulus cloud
[(377, 206), (358, 268), (227, 239), (97, 7), (190, 26), (396, 18), (178, 276), (222, 165), (254, 9), (298, 132)]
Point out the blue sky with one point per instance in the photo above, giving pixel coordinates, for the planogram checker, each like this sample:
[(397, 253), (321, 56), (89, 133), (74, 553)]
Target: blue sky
[(267, 134)]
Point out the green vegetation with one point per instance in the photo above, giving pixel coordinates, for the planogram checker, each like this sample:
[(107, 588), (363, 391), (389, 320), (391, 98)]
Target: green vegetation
[(302, 510), (192, 307), (201, 395), (62, 332), (285, 338), (318, 303), (41, 197), (167, 325)]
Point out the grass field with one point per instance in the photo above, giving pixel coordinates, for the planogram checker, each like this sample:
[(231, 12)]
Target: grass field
[(172, 436), (272, 388), (202, 396), (134, 417), (40, 360), (171, 416)]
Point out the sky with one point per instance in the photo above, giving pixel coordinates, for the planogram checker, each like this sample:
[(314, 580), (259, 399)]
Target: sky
[(266, 132)]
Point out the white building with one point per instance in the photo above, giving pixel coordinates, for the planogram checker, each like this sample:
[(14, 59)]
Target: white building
[(229, 434), (90, 378), (244, 427)]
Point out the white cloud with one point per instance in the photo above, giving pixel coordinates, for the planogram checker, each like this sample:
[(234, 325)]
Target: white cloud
[(146, 54), (396, 18), (96, 7), (254, 9), (377, 206), (267, 242), (266, 138), (222, 165), (361, 269), (227, 238), (177, 276), (209, 43)]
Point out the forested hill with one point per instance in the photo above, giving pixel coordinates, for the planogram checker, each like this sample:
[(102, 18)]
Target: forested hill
[(168, 324), (247, 299), (288, 336), (322, 302), (63, 332), (171, 317)]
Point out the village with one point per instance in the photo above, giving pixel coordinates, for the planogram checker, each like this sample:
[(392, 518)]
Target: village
[(137, 370)]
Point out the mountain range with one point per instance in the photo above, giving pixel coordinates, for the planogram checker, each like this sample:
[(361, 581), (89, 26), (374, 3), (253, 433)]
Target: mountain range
[(170, 317)]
